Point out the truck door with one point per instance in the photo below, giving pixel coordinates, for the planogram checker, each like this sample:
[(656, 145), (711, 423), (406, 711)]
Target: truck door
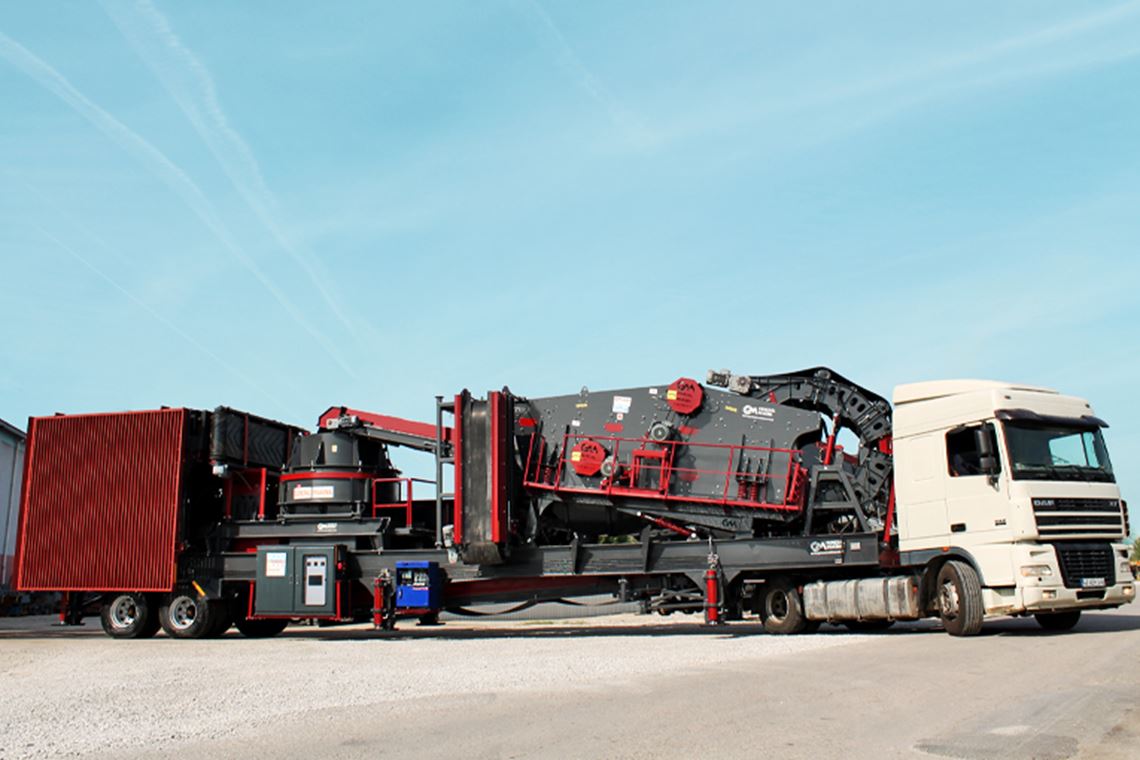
[(977, 505), (920, 492)]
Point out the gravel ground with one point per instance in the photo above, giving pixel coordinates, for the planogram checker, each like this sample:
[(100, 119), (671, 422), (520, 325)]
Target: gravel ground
[(74, 692)]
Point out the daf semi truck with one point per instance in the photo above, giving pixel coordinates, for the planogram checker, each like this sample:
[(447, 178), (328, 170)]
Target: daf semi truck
[(733, 497)]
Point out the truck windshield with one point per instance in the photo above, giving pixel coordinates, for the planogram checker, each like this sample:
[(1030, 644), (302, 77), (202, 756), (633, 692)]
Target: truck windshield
[(1057, 452)]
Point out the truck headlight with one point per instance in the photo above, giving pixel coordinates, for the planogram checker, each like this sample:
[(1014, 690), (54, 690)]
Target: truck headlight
[(1125, 570), (1030, 571)]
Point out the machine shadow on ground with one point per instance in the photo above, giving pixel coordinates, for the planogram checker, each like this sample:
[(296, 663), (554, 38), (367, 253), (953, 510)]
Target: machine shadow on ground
[(1090, 624)]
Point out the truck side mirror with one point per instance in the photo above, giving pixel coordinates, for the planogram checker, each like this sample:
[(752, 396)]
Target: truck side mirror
[(987, 459)]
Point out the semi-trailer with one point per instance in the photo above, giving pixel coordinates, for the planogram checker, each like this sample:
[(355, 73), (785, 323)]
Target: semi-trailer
[(733, 497)]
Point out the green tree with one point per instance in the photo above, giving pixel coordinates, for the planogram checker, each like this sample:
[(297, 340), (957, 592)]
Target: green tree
[(1136, 550)]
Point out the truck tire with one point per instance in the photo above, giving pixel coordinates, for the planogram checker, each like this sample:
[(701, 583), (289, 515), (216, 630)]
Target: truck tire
[(260, 629), (128, 616), (186, 616), (1058, 621), (782, 608), (959, 599)]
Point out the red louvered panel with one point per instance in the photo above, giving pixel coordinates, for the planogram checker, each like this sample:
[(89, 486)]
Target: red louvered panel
[(100, 508)]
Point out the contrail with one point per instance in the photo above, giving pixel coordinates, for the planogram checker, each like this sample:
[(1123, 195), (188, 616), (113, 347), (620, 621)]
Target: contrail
[(158, 316), (162, 167), (190, 84), (585, 79)]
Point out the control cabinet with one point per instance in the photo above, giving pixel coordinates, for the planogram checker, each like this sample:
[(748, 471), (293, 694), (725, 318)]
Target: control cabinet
[(296, 580)]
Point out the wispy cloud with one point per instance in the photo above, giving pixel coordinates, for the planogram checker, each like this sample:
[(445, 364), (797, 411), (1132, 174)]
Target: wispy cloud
[(166, 322), (909, 84), (192, 87), (630, 126), (162, 168)]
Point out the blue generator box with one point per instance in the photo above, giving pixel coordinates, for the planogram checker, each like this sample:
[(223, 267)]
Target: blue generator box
[(419, 585)]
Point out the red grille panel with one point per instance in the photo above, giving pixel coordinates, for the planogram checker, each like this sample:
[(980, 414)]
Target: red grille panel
[(100, 509)]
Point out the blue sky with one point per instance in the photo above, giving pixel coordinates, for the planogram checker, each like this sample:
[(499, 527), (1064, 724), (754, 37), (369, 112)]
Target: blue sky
[(284, 206)]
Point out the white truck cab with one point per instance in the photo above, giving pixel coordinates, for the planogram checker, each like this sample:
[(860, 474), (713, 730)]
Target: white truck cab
[(1016, 481)]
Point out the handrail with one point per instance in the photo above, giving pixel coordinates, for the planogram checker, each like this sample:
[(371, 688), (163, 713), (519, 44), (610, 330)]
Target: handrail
[(667, 470), (405, 486)]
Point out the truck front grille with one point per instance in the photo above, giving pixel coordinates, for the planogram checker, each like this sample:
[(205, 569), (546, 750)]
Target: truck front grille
[(1085, 560), (1079, 518)]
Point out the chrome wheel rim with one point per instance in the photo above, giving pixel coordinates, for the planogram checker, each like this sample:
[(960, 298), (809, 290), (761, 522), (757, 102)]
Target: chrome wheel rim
[(948, 600), (124, 612), (183, 613)]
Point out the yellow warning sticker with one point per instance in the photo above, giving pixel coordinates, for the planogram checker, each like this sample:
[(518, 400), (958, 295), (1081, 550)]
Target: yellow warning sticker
[(671, 395), (575, 456), (728, 408), (582, 405)]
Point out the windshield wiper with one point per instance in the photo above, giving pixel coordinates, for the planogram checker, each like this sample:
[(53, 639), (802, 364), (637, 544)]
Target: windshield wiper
[(1035, 471), (1064, 472)]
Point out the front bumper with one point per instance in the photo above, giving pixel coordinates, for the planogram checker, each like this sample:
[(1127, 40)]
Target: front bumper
[(1048, 592)]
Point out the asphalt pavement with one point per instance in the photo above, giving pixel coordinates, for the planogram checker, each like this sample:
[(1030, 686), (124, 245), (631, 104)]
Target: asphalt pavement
[(626, 687)]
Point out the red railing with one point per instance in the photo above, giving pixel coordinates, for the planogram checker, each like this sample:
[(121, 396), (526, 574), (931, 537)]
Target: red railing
[(246, 482), (650, 470), (404, 498)]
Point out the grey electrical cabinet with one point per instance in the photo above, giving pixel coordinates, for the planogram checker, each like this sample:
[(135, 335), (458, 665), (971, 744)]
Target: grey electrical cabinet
[(296, 580)]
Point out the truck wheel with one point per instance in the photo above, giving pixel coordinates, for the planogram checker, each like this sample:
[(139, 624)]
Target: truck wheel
[(960, 599), (782, 609), (1058, 621), (128, 616), (260, 629), (184, 616)]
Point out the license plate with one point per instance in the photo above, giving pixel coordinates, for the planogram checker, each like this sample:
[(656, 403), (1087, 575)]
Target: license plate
[(1092, 582)]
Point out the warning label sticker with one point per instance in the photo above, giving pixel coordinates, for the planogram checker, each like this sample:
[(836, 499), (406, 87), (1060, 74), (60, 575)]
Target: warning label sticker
[(622, 404), (276, 563), (306, 493)]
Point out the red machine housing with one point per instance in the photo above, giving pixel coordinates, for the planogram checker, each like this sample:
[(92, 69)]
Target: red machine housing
[(101, 502)]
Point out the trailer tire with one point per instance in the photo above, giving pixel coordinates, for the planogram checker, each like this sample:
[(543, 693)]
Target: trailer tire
[(782, 608), (223, 619), (186, 616), (1058, 621), (260, 629), (959, 599), (128, 616)]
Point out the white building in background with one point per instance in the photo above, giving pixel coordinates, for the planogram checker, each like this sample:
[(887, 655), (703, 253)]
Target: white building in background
[(11, 473)]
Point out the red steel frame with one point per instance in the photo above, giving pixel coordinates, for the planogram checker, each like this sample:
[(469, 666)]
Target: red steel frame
[(405, 503), (793, 478), (423, 430), (498, 465), (245, 487)]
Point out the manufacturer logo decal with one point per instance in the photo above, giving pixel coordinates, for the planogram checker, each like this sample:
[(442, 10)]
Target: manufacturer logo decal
[(753, 412), (826, 546)]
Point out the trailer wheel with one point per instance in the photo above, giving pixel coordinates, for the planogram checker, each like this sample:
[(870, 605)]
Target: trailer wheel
[(782, 609), (960, 599), (1058, 621), (185, 616), (128, 616), (260, 629)]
